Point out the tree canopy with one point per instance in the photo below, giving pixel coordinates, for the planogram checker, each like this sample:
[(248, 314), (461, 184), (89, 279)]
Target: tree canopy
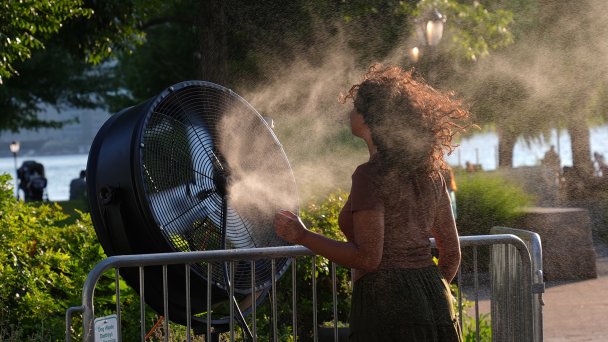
[(25, 25), (142, 46), (50, 54)]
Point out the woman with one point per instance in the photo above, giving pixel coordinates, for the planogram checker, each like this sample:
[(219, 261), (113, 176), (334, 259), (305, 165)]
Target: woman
[(398, 200)]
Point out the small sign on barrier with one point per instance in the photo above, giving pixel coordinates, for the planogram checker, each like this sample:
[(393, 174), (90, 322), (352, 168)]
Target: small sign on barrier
[(106, 329)]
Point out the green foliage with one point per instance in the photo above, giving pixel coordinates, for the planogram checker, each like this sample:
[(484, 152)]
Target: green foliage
[(264, 34), (473, 29), (52, 47), (321, 217), (485, 200), (48, 256), (114, 26), (44, 266), (25, 25), (469, 328), (141, 34), (598, 210)]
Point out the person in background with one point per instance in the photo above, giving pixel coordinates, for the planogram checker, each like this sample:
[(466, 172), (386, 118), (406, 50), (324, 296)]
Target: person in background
[(36, 183), (551, 168), (552, 165), (398, 200), (470, 168), (599, 164), (78, 187), (32, 180)]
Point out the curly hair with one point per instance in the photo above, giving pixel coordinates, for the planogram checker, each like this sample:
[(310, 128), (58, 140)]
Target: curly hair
[(411, 123)]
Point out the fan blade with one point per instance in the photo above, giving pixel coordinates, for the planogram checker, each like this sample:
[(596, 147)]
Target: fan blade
[(180, 223)]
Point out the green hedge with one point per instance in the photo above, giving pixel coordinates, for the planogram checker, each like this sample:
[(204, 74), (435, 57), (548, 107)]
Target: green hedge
[(44, 264), (597, 205), (46, 256), (485, 200)]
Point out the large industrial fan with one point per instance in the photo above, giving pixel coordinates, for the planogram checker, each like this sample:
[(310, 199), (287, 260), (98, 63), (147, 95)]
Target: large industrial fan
[(195, 168)]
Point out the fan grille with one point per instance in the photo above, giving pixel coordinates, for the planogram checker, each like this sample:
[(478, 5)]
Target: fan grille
[(214, 175)]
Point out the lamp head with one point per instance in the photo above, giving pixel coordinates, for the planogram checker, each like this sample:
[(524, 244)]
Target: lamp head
[(429, 28), (434, 28), (15, 146), (414, 54)]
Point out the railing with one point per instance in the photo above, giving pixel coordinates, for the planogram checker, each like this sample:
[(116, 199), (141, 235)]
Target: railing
[(529, 328), (508, 295)]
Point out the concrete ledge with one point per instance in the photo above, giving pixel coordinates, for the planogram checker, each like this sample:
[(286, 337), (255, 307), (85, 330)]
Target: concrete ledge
[(568, 252)]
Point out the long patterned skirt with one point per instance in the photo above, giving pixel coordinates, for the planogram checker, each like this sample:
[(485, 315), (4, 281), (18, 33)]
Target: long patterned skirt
[(403, 305)]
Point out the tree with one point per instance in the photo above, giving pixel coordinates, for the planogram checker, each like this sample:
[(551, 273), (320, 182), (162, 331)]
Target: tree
[(500, 100), (572, 46), (233, 42), (24, 26), (51, 77), (50, 50), (560, 86), (255, 37)]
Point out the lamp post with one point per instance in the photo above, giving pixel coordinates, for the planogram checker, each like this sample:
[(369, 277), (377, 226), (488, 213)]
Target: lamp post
[(429, 31), (430, 28), (14, 147)]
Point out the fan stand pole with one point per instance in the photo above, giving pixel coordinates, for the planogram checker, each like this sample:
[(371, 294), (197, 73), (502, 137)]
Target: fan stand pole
[(238, 314), (239, 317), (228, 273)]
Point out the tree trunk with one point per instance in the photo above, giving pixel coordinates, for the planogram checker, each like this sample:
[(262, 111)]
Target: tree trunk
[(581, 147), (212, 42), (506, 143)]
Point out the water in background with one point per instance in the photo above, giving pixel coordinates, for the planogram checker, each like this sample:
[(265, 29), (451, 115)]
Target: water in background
[(59, 171), (483, 149), (478, 149)]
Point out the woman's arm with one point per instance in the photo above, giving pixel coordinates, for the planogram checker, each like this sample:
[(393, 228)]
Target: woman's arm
[(446, 238), (364, 252)]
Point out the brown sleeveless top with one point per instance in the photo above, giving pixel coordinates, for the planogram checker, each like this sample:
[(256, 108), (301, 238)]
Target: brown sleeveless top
[(410, 208)]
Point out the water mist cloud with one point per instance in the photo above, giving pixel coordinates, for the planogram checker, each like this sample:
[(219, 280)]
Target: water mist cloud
[(302, 98)]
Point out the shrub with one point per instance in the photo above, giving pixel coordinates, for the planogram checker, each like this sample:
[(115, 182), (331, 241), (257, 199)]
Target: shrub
[(320, 216), (46, 256), (598, 212), (44, 264), (469, 329), (485, 200)]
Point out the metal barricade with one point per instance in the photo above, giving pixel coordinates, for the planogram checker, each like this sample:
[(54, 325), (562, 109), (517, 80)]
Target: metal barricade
[(516, 244), (510, 296)]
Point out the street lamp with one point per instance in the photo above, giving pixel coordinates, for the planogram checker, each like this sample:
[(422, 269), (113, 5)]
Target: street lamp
[(429, 31), (15, 147), (414, 54), (429, 28)]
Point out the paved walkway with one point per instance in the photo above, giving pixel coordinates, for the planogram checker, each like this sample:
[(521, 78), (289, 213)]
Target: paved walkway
[(578, 311), (575, 311)]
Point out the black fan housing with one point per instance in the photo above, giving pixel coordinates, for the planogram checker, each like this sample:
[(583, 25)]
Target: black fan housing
[(194, 168)]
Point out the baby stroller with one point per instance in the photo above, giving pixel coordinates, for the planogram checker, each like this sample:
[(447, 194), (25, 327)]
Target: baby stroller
[(32, 180)]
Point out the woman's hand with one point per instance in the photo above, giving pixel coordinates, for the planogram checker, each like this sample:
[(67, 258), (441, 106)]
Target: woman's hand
[(289, 226)]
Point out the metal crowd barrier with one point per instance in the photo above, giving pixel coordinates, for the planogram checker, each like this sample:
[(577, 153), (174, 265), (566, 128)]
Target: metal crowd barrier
[(516, 294), (510, 295)]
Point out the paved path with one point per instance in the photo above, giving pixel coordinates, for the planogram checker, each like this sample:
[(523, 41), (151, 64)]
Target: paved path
[(578, 311), (575, 311)]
